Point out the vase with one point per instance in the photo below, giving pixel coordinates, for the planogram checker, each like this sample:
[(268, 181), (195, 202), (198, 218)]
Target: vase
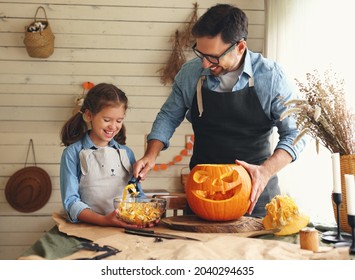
[(347, 166)]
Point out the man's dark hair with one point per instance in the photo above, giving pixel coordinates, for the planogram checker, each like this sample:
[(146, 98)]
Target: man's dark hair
[(229, 21)]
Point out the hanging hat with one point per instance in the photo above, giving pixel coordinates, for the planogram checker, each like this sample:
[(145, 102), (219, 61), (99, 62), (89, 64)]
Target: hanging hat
[(28, 189)]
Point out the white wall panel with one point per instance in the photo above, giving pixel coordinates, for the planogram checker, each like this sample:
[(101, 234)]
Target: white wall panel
[(121, 42)]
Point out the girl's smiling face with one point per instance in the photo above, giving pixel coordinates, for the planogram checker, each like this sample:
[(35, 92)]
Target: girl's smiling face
[(105, 124)]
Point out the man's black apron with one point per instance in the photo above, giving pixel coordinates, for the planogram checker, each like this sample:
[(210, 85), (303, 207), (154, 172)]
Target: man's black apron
[(230, 126)]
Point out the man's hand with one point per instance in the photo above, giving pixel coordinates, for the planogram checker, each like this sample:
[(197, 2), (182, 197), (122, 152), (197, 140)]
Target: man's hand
[(147, 162), (261, 174), (259, 179), (142, 167)]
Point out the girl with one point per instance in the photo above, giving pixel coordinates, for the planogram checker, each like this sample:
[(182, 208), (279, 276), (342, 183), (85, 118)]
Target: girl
[(96, 164)]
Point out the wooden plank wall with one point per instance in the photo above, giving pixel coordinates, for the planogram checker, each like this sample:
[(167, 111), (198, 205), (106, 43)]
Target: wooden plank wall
[(121, 42)]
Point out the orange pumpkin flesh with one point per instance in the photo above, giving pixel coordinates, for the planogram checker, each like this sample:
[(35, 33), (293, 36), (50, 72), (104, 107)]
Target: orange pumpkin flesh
[(218, 192), (282, 213)]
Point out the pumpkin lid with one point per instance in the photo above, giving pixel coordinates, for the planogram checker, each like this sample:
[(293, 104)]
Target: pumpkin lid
[(283, 213)]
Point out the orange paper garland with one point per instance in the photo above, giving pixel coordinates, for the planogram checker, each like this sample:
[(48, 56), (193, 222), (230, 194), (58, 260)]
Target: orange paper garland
[(177, 158), (87, 85), (80, 99)]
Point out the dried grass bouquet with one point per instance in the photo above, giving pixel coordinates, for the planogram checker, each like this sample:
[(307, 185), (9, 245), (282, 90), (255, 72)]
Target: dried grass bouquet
[(323, 113)]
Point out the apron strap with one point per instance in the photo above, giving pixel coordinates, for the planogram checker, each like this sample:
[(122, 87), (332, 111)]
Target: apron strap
[(251, 82), (199, 95), (125, 160)]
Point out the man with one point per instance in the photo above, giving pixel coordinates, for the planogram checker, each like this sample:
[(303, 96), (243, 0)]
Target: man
[(233, 98)]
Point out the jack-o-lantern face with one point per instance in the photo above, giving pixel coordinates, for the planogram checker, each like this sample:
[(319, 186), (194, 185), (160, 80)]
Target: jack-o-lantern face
[(218, 192)]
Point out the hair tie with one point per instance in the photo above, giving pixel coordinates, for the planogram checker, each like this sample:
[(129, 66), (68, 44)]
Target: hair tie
[(85, 117)]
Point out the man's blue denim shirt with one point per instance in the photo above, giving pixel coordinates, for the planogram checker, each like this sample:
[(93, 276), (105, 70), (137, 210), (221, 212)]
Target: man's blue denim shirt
[(271, 85)]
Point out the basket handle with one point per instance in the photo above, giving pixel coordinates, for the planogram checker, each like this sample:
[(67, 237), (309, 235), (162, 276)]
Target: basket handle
[(31, 145), (44, 11)]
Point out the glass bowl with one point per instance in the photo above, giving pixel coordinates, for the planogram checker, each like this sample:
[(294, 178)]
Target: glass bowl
[(139, 211)]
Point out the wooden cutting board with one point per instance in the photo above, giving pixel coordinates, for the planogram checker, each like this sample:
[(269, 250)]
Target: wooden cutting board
[(193, 223)]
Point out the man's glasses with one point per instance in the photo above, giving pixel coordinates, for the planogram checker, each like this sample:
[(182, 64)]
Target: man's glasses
[(211, 58)]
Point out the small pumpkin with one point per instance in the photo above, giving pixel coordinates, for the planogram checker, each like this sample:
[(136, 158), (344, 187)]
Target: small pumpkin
[(283, 213), (218, 192)]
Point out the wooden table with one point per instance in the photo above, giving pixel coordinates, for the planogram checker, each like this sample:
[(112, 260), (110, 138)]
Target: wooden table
[(62, 242)]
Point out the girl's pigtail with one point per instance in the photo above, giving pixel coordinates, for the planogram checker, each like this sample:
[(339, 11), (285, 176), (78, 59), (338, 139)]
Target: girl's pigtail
[(74, 129), (121, 136)]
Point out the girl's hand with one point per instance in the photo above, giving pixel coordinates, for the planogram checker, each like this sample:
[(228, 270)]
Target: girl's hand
[(110, 219), (153, 224), (113, 220), (116, 221)]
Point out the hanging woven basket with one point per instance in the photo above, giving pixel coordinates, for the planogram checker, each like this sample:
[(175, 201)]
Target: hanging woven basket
[(347, 166), (39, 39)]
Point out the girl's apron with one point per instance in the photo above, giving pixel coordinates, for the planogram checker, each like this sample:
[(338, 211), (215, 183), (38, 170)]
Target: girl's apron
[(105, 173), (230, 126)]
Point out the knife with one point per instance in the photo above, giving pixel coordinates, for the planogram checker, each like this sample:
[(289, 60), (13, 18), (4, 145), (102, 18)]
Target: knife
[(151, 233)]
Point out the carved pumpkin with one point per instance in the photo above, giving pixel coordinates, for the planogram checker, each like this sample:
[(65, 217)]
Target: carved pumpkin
[(218, 192)]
